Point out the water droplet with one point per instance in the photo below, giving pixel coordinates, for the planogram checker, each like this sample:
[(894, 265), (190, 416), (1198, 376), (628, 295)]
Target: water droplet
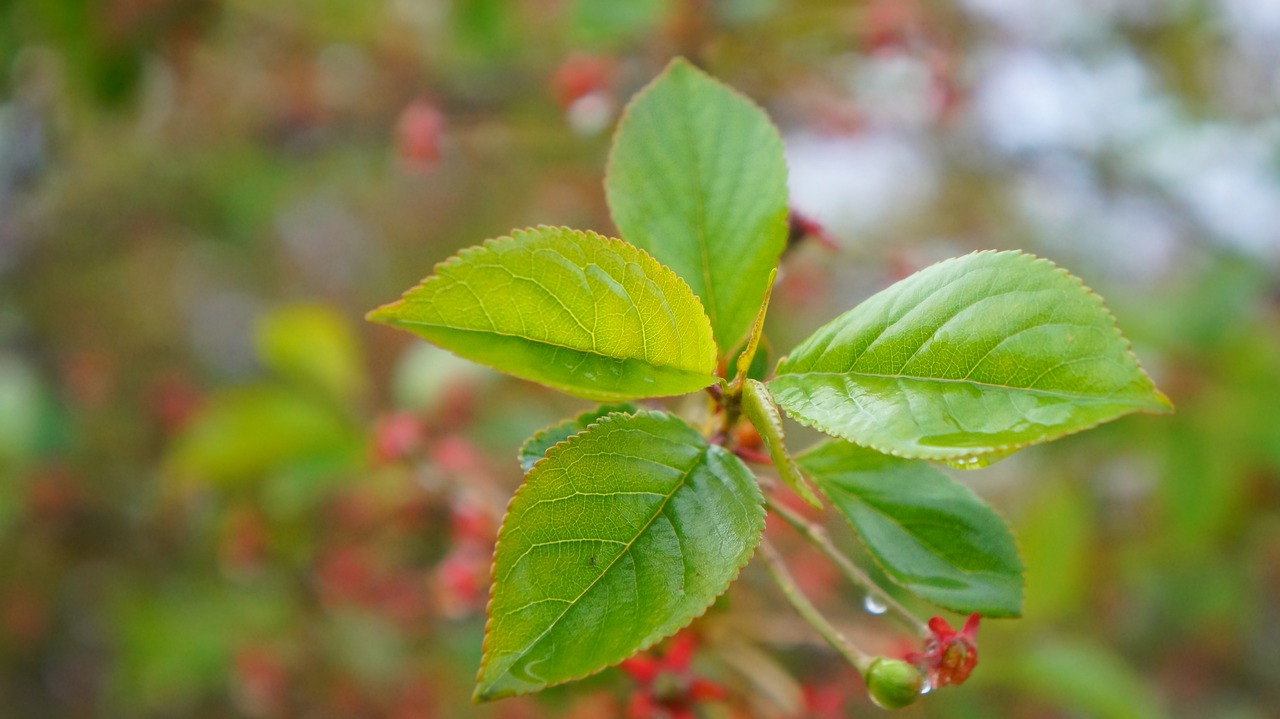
[(978, 461), (873, 605), (926, 686)]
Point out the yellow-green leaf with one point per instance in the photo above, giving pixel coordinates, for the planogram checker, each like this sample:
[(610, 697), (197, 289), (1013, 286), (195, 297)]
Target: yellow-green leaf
[(314, 345), (244, 433), (759, 409), (929, 533), (589, 315)]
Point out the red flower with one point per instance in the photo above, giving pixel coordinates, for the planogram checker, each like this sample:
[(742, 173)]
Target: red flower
[(667, 689), (949, 656)]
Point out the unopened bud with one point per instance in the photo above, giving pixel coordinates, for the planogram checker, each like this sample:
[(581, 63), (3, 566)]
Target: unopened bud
[(893, 683)]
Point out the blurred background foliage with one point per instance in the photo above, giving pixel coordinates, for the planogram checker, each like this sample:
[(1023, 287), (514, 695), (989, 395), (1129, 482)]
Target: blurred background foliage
[(222, 494)]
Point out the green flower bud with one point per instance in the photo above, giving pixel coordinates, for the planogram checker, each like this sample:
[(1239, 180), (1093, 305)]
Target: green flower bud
[(893, 683)]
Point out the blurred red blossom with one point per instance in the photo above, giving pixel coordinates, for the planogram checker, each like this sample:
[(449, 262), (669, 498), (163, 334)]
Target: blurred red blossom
[(472, 524), (667, 688), (243, 543), (260, 681), (581, 75), (825, 701), (345, 575), (462, 580), (419, 133), (456, 455), (801, 227), (173, 400), (396, 437)]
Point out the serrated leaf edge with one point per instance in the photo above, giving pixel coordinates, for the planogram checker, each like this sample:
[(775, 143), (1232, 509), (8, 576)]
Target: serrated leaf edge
[(625, 115), (1161, 398), (556, 448), (801, 488), (576, 419), (862, 541), (459, 257)]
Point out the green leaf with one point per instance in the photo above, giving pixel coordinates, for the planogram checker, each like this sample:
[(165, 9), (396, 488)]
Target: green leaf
[(967, 361), (760, 363), (929, 533), (1080, 676), (620, 537), (696, 177), (759, 409), (21, 407), (314, 345), (1057, 532), (585, 314), (609, 22), (747, 357), (535, 448), (247, 432)]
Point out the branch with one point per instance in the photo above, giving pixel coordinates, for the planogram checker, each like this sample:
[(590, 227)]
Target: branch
[(819, 538), (855, 656)]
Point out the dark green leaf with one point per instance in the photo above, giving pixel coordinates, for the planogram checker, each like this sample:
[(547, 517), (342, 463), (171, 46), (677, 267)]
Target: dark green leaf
[(619, 538), (929, 533), (535, 448)]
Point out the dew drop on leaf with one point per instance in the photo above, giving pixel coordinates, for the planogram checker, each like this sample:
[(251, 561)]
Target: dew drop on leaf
[(978, 461), (874, 605)]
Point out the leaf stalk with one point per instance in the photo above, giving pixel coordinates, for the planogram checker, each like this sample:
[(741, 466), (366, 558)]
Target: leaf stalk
[(818, 537), (778, 570)]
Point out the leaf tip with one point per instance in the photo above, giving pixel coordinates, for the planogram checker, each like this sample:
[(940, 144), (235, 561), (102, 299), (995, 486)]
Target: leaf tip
[(679, 63), (492, 686), (385, 314), (485, 693), (811, 498), (1163, 405)]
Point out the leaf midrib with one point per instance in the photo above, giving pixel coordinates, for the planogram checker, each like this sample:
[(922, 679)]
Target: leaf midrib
[(546, 343), (930, 546), (1082, 398), (702, 457), (713, 307)]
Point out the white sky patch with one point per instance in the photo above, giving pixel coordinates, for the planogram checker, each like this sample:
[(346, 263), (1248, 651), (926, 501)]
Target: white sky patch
[(857, 184)]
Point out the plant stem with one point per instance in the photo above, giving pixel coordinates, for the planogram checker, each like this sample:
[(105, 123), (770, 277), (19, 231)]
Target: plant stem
[(731, 403), (855, 656), (820, 539)]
